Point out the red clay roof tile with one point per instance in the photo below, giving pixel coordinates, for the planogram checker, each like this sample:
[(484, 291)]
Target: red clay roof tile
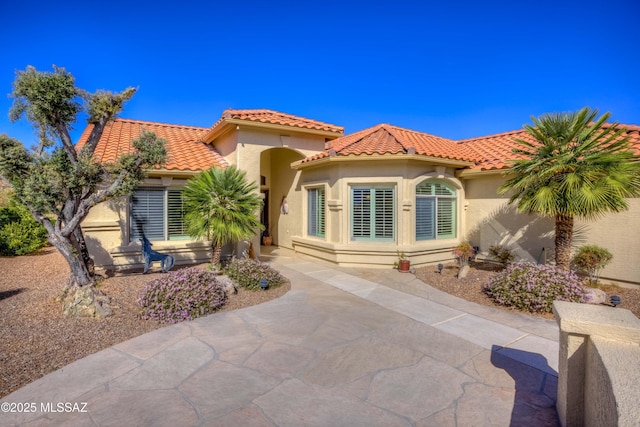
[(277, 118), (387, 139), (491, 152), (494, 151), (185, 149)]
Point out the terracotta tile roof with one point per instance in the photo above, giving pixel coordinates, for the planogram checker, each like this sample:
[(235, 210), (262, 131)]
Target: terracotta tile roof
[(494, 151), (387, 139), (276, 118), (185, 149)]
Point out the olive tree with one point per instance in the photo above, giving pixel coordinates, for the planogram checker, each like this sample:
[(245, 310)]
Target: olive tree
[(58, 182)]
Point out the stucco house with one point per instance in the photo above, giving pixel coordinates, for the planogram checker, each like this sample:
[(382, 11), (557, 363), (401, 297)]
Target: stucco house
[(352, 199)]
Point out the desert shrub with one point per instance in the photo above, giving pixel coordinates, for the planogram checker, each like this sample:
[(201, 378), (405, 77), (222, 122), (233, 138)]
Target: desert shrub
[(20, 233), (533, 288), (181, 295), (501, 254), (463, 252), (247, 274), (591, 259)]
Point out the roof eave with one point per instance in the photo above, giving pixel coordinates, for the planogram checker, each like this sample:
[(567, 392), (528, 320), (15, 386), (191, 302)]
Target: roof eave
[(174, 173), (477, 172), (300, 164), (227, 124)]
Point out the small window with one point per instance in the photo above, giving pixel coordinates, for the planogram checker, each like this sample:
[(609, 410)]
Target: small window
[(373, 213), (316, 212), (435, 211), (158, 213)]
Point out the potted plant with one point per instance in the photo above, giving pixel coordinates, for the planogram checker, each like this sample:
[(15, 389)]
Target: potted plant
[(404, 264), (267, 240), (463, 252)]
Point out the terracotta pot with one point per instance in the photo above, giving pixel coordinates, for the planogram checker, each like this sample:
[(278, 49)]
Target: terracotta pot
[(267, 240), (404, 265)]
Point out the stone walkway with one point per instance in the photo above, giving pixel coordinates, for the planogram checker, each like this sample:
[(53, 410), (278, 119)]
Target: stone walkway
[(345, 347)]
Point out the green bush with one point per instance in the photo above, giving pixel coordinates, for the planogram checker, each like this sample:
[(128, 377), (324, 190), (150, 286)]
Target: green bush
[(533, 288), (247, 274), (591, 259), (181, 295), (20, 233), (501, 254)]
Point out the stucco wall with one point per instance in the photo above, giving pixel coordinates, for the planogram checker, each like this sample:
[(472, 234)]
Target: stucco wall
[(598, 374), (491, 220), (260, 151), (106, 231), (284, 185), (403, 175), (226, 146)]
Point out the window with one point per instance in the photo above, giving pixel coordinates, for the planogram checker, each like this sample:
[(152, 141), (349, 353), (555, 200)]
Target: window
[(435, 211), (373, 213), (157, 213), (315, 212)]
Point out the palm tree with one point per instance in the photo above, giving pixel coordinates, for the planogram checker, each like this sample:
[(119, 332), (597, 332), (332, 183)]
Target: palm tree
[(574, 165), (222, 207)]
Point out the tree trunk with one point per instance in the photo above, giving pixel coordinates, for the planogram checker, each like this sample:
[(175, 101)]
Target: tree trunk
[(215, 255), (564, 236), (77, 239), (80, 297), (79, 275)]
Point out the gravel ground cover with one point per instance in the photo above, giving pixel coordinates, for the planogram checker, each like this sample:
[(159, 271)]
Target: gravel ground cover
[(470, 288), (36, 339)]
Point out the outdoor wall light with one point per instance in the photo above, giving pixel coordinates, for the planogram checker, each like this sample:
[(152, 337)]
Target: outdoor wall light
[(264, 284), (284, 206), (615, 300), (440, 267)]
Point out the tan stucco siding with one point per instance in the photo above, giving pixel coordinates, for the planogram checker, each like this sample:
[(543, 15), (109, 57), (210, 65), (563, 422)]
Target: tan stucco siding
[(226, 146), (491, 220), (107, 227), (403, 176), (283, 187), (269, 154), (620, 234)]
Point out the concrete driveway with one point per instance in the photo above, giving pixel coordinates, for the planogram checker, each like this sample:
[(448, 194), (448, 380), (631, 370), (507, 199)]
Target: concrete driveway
[(344, 347)]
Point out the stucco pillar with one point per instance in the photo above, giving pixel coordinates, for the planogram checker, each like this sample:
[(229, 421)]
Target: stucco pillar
[(571, 364), (617, 332)]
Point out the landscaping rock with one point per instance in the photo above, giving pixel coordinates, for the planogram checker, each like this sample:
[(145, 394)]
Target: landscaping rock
[(464, 271), (87, 301), (595, 296)]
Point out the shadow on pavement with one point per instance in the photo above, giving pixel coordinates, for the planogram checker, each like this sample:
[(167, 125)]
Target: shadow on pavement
[(535, 389)]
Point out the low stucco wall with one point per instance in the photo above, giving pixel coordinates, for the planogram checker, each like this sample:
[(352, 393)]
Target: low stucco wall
[(374, 256), (598, 366)]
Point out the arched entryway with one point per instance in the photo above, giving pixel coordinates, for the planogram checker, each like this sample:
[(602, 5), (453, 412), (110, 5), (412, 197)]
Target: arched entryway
[(283, 204)]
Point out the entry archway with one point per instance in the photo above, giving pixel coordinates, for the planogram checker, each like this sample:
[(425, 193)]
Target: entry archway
[(278, 184)]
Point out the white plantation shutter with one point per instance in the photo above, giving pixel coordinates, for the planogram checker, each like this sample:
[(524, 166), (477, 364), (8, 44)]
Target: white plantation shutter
[(175, 215), (315, 212), (384, 213), (435, 211), (361, 213), (373, 213), (425, 215), (446, 218), (158, 213), (147, 214)]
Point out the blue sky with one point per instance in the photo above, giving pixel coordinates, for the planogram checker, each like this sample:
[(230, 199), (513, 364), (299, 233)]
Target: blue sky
[(454, 69)]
